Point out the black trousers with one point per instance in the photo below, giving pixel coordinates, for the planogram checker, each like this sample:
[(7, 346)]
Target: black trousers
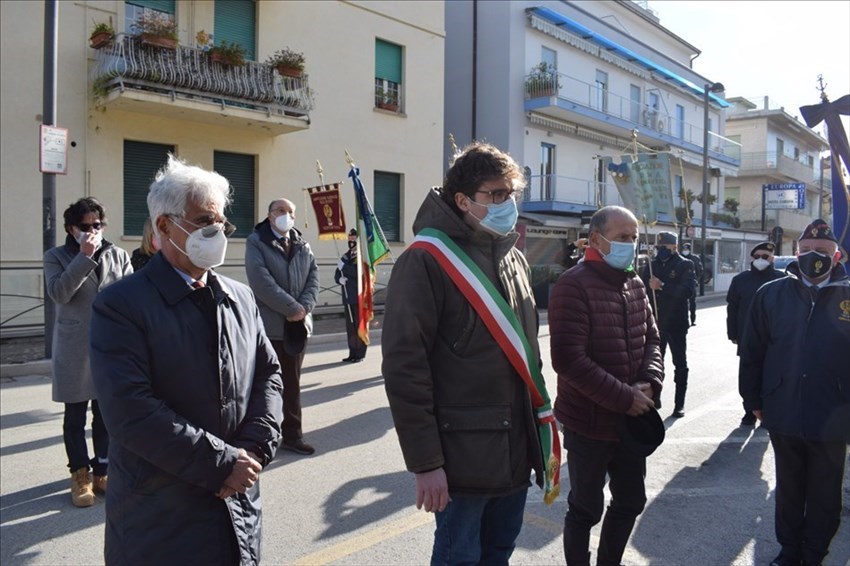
[(74, 436), (588, 462), (291, 368), (356, 346), (809, 478), (678, 341)]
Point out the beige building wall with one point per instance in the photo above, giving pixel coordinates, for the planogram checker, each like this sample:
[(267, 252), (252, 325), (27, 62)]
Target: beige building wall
[(338, 40)]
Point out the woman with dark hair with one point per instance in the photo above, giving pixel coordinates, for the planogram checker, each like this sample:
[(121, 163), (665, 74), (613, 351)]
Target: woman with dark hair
[(74, 273)]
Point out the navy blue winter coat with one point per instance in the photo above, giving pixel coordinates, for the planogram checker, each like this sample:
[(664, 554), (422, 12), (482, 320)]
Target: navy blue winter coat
[(181, 389), (794, 357)]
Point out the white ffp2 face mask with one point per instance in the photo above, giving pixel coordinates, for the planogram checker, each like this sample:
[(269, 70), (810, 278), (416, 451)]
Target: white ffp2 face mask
[(205, 247), (284, 223), (760, 264)]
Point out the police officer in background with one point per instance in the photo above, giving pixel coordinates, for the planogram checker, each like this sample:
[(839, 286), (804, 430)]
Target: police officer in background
[(740, 295), (697, 261), (673, 283)]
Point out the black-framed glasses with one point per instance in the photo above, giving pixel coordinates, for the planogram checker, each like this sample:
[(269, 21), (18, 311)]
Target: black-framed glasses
[(84, 227), (498, 196), (212, 228)]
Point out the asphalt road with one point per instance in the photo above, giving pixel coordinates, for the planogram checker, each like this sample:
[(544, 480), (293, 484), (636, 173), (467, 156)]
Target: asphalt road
[(710, 484)]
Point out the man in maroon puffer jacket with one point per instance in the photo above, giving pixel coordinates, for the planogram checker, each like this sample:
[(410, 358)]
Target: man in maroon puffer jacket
[(605, 348)]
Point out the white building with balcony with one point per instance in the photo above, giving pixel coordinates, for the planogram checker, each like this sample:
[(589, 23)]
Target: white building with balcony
[(615, 69), (372, 85), (777, 151)]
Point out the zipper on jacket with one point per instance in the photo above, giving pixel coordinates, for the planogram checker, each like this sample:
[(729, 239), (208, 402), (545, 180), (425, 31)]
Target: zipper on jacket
[(625, 296)]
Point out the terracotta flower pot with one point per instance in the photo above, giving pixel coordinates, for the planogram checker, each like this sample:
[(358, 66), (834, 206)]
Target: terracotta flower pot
[(100, 39), (159, 41), (289, 71)]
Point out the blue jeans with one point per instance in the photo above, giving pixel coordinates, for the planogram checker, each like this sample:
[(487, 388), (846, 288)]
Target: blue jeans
[(478, 530), (74, 435)]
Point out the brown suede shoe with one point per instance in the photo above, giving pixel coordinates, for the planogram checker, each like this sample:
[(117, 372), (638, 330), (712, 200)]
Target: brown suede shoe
[(82, 494), (100, 484)]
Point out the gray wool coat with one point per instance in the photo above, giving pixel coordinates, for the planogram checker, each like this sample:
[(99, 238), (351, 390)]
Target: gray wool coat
[(281, 283), (73, 280)]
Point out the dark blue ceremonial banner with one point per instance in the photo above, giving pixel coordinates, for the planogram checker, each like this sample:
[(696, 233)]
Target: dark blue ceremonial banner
[(831, 112)]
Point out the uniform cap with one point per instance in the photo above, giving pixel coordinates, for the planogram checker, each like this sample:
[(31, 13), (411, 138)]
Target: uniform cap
[(766, 246), (818, 230), (666, 238)]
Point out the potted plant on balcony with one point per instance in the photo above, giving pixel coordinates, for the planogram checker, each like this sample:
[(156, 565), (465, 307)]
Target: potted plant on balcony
[(227, 53), (102, 34), (386, 99), (289, 63), (157, 29), (542, 81)]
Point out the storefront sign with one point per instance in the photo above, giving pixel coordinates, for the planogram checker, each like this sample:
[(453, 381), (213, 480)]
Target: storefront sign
[(547, 232)]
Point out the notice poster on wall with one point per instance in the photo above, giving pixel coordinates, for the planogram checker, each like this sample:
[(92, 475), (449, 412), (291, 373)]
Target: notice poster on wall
[(53, 150)]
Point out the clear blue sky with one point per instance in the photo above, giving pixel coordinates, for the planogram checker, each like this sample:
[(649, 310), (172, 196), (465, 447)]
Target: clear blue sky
[(773, 48)]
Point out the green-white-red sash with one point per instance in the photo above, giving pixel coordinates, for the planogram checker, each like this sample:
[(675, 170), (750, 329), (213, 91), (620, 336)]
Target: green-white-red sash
[(503, 324)]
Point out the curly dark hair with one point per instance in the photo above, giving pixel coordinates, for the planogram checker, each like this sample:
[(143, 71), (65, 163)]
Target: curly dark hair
[(74, 214), (476, 164)]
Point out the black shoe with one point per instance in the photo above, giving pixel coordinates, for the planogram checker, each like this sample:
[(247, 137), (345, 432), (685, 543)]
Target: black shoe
[(348, 359), (355, 360), (678, 412), (783, 560), (748, 420), (298, 446)]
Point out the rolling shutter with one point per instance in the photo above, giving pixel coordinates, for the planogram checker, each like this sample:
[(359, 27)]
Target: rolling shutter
[(167, 6), (387, 61), (141, 162), (387, 204), (235, 22), (240, 170)]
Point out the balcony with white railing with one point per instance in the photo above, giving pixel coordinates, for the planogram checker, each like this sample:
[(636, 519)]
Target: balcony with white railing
[(569, 98), (186, 83)]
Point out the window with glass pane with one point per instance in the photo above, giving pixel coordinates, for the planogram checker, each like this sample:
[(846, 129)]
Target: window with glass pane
[(387, 204), (388, 75), (550, 57), (240, 170), (602, 91), (134, 9), (142, 160), (680, 121)]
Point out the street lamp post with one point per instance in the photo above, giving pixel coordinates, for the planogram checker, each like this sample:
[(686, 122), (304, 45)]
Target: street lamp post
[(709, 88)]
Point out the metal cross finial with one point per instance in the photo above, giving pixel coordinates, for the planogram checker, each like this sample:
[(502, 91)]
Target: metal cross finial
[(320, 171), (349, 159), (822, 88)]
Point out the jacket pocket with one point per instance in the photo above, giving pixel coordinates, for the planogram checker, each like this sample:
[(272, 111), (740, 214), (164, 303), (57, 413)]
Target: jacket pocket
[(476, 445), (466, 323)]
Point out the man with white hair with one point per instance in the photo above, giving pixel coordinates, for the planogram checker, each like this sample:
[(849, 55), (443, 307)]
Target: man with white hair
[(190, 389), (794, 379)]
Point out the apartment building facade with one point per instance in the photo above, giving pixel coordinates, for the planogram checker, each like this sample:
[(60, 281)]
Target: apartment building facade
[(780, 157), (372, 86), (615, 76)]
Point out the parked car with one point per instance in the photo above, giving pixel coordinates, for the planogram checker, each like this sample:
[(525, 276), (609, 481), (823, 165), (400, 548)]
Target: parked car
[(780, 262)]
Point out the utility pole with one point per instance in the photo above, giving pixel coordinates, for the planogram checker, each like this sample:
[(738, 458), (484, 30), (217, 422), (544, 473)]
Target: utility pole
[(48, 180)]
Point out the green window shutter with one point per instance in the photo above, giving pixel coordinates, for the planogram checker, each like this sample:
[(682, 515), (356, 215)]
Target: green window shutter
[(387, 61), (240, 170), (141, 162), (167, 6), (235, 22), (387, 204)]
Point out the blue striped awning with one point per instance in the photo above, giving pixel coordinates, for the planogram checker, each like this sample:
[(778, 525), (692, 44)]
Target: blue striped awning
[(628, 54)]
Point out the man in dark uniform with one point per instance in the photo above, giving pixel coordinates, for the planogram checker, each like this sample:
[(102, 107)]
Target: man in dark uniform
[(673, 282), (740, 295), (346, 276), (794, 378), (697, 261)]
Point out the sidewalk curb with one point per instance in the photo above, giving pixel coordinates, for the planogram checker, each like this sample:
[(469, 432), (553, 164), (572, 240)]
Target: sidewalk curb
[(44, 367)]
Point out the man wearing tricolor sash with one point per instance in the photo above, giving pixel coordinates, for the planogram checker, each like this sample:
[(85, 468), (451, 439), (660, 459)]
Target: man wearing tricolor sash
[(461, 363), (606, 350)]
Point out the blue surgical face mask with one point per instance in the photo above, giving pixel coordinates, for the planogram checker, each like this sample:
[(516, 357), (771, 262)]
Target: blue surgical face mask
[(663, 254), (621, 256), (501, 218)]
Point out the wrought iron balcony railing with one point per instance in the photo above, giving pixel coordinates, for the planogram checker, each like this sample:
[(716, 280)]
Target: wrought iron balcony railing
[(189, 73)]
